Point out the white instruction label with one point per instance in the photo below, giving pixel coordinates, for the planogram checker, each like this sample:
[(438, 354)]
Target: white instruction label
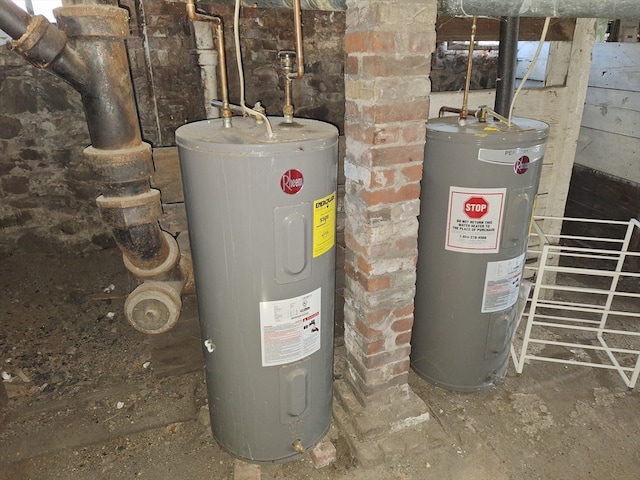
[(290, 328), (502, 284), (474, 219)]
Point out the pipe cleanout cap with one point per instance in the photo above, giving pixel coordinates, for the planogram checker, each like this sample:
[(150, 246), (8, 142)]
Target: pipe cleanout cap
[(154, 307)]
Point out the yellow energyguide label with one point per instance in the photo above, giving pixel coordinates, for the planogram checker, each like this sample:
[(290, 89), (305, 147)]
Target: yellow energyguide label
[(324, 224)]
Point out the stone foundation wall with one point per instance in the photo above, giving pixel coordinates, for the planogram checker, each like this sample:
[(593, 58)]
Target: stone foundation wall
[(48, 193)]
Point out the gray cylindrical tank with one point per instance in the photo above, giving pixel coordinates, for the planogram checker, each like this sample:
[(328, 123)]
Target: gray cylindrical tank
[(477, 195), (261, 216)]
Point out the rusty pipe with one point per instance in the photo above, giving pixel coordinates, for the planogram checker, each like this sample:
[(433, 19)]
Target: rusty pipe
[(88, 52), (42, 44), (195, 16), (14, 21)]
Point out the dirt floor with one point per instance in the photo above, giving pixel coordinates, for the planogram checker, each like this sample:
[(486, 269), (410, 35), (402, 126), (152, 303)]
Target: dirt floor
[(91, 398)]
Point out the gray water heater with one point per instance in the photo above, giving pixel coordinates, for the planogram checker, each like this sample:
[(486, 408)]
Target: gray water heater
[(261, 214), (477, 196)]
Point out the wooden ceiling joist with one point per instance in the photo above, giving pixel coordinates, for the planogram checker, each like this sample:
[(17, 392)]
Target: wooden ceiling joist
[(451, 28)]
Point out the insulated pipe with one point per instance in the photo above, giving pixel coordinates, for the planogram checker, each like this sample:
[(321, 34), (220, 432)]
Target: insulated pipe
[(208, 61), (507, 61), (542, 8), (89, 53)]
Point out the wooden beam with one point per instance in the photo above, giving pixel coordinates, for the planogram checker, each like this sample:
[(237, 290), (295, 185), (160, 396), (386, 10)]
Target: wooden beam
[(449, 28)]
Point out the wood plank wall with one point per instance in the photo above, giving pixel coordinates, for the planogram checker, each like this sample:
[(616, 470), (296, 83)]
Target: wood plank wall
[(609, 140)]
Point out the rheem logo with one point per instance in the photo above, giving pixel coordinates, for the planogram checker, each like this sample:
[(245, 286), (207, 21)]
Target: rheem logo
[(291, 181)]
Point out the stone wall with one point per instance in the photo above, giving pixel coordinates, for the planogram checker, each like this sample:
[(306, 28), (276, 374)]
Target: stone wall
[(264, 33), (48, 192), (449, 70)]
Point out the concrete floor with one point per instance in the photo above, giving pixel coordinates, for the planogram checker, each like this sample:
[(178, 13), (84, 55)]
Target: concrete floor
[(90, 398)]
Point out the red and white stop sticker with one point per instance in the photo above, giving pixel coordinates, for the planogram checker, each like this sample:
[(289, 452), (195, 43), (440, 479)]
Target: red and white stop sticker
[(476, 207), (521, 165), (291, 181)]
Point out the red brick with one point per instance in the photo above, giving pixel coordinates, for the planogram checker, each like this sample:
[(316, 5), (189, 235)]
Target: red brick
[(352, 65), (370, 42), (414, 132), (422, 42), (397, 112), (402, 325), (375, 347), (404, 311), (323, 454), (366, 331), (359, 132), (351, 243), (383, 42), (399, 367), (393, 66), (351, 110), (374, 284), (412, 173), (376, 317), (410, 191), (382, 178), (386, 358), (403, 338), (363, 265), (406, 243), (396, 154), (384, 135), (355, 41)]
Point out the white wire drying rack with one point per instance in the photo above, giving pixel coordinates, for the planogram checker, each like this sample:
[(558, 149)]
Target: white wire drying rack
[(584, 307)]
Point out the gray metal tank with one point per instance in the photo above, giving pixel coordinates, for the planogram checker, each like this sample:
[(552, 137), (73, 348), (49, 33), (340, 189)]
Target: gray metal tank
[(261, 216), (478, 188)]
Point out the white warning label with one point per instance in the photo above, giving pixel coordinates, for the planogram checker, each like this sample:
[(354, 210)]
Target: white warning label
[(502, 284), (290, 328), (474, 219)]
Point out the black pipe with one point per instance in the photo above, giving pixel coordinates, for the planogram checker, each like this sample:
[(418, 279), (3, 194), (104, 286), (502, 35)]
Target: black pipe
[(14, 21), (88, 52), (507, 62), (97, 33)]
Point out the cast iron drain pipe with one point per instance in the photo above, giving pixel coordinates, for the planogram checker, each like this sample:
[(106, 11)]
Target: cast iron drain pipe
[(88, 52)]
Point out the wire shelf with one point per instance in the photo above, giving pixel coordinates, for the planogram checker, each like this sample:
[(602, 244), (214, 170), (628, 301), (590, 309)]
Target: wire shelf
[(583, 305)]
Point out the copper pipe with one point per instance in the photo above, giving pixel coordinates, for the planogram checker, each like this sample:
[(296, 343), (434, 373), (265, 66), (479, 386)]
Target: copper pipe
[(194, 16), (297, 25), (467, 86)]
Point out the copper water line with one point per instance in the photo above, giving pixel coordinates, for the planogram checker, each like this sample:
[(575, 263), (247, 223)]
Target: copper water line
[(194, 16), (297, 24), (467, 86)]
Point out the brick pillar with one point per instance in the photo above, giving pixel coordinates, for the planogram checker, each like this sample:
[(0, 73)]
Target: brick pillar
[(388, 46)]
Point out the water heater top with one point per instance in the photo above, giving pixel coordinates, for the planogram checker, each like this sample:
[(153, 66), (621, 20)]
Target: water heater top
[(525, 129), (210, 135)]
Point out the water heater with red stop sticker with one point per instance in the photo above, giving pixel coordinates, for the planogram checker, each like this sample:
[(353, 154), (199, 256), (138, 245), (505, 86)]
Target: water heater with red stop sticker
[(477, 196)]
